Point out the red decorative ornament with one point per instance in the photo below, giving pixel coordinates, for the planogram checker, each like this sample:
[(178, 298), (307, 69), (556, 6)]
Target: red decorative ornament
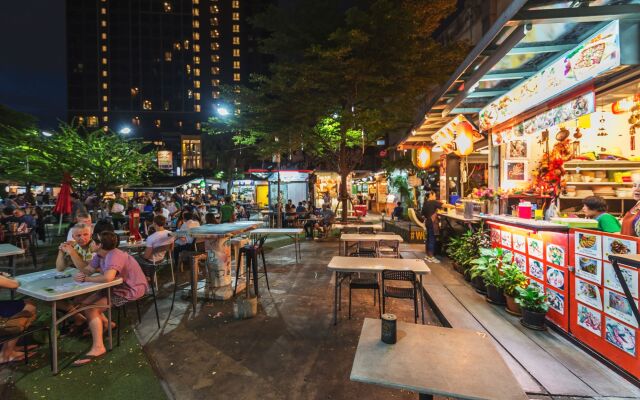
[(383, 153)]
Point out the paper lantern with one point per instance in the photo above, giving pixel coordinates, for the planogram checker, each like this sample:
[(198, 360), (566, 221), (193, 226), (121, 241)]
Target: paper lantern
[(421, 157), (464, 139)]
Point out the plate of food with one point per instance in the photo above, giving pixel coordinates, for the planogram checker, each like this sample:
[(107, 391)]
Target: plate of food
[(555, 254), (588, 244), (555, 278), (617, 246)]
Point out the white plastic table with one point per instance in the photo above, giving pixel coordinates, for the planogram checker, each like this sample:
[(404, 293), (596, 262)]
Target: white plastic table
[(126, 246), (293, 233), (43, 285), (343, 266), (432, 360), (375, 227), (366, 237), (9, 250)]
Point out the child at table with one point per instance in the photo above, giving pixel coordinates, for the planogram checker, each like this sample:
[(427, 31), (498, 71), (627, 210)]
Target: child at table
[(110, 263)]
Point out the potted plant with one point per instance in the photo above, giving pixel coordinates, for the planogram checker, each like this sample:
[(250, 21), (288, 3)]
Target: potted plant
[(534, 306), (489, 267), (514, 278), (464, 249)]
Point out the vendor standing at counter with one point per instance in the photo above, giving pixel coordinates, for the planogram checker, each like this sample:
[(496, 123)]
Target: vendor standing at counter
[(631, 220), (430, 208), (596, 208)]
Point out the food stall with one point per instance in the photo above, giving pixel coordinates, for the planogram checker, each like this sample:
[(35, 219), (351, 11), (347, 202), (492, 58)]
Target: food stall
[(251, 191)]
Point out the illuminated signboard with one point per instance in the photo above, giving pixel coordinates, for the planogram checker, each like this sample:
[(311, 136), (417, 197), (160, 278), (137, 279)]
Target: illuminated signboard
[(165, 159), (599, 53)]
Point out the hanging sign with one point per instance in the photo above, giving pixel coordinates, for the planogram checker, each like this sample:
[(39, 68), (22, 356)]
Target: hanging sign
[(445, 137), (599, 53), (165, 159)]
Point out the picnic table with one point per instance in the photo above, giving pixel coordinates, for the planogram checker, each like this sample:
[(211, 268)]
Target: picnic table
[(293, 233), (432, 360), (51, 286), (343, 266)]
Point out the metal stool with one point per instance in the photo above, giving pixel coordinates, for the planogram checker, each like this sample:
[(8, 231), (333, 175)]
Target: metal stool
[(251, 253)]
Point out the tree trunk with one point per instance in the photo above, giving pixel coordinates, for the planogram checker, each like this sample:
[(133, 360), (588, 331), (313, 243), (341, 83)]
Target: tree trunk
[(344, 194)]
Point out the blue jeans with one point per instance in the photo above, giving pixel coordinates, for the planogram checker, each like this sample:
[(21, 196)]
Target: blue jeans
[(430, 240)]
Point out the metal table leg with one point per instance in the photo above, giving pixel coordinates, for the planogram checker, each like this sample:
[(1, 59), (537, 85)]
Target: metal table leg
[(109, 318), (12, 266), (195, 271), (422, 299), (53, 340), (335, 301)]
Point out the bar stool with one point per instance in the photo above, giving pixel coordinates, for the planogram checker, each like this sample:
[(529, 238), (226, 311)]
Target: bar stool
[(236, 244), (250, 253)]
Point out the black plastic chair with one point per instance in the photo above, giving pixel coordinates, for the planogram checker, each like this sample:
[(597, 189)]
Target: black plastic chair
[(366, 283), (400, 292)]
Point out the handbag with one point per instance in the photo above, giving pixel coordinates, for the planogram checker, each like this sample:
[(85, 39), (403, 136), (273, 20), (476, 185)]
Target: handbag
[(16, 324)]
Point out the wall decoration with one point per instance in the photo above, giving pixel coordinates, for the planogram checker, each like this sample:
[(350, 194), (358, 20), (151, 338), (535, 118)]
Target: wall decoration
[(630, 276), (505, 238), (617, 245), (556, 300), (495, 235), (536, 269), (620, 335), (521, 261), (590, 319), (588, 244), (536, 285), (516, 171), (517, 150), (555, 254), (555, 278), (616, 305), (519, 243), (535, 247), (589, 268), (588, 293)]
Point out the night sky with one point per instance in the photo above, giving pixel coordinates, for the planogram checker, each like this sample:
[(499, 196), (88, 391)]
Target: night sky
[(33, 60)]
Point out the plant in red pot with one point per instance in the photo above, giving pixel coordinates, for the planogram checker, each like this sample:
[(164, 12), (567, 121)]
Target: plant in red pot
[(534, 306), (514, 278)]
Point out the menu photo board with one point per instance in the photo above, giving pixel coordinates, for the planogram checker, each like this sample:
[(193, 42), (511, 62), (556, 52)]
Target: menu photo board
[(601, 313)]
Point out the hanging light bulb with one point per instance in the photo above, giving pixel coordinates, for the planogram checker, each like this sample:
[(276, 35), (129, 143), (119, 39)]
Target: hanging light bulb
[(421, 157), (464, 139)]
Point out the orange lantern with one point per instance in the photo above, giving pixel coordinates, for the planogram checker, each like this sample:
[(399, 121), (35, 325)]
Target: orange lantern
[(464, 139), (421, 157)]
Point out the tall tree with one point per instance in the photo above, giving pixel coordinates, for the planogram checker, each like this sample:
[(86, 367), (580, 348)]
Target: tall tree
[(341, 79)]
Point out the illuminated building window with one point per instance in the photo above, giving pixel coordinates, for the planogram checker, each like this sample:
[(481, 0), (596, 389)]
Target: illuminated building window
[(196, 84), (167, 56), (165, 105), (105, 109), (196, 60), (215, 70), (179, 124), (197, 96), (134, 91), (104, 85), (192, 153), (198, 126), (92, 121), (236, 65), (146, 105), (196, 48), (80, 120), (104, 73), (214, 9), (103, 24), (104, 98), (196, 72), (215, 94), (157, 123), (215, 46), (103, 11), (105, 119), (177, 46), (196, 108), (215, 34), (215, 82), (235, 16), (104, 61), (103, 36), (103, 48), (167, 6), (196, 23), (236, 77), (196, 12), (215, 58), (196, 2), (236, 40), (105, 128), (236, 28), (188, 67), (196, 36), (236, 89), (213, 21), (189, 93), (186, 45), (236, 52), (235, 4), (135, 121)]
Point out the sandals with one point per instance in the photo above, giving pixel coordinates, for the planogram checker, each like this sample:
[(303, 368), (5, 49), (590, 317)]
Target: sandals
[(86, 359)]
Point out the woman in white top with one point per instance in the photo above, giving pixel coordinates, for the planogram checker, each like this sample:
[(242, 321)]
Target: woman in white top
[(161, 237), (185, 242)]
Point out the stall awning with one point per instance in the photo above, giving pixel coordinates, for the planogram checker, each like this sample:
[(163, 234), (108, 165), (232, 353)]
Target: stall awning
[(530, 38)]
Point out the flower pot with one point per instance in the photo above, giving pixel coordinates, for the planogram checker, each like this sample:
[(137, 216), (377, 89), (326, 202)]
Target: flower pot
[(459, 268), (467, 275), (533, 320), (512, 307), (479, 285), (495, 295)]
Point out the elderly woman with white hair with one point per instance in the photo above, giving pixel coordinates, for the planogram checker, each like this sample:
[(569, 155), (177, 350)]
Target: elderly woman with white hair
[(631, 220)]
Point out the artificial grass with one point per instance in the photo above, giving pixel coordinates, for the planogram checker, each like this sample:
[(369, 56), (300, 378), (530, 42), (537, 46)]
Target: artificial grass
[(123, 373)]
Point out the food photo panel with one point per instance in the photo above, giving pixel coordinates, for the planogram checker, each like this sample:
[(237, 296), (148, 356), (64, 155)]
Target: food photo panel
[(590, 319), (617, 246), (620, 335), (521, 261), (555, 278), (589, 268), (535, 247), (505, 238), (630, 276), (536, 270), (556, 300), (588, 244), (555, 254), (519, 243), (617, 305), (588, 293)]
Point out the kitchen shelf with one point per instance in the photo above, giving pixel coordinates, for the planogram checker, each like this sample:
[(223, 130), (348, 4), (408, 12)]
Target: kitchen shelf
[(601, 165), (606, 198), (601, 183)]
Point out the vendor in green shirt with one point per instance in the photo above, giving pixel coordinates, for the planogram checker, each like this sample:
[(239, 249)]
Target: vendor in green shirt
[(227, 212), (596, 208)]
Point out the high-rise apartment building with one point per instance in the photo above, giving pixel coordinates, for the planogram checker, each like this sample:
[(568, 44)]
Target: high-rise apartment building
[(153, 68)]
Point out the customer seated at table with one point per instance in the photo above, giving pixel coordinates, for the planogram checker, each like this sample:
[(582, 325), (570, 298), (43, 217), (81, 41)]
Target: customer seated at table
[(240, 211), (81, 218), (161, 237), (23, 218), (595, 207), (110, 262), (398, 211), (210, 218), (76, 252), (301, 208), (16, 309), (185, 242), (327, 217), (7, 216)]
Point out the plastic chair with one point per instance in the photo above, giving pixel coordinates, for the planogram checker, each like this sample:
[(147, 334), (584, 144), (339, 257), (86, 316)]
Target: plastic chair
[(398, 292)]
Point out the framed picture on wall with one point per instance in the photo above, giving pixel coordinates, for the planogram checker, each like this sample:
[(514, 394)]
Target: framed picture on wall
[(517, 149), (516, 171)]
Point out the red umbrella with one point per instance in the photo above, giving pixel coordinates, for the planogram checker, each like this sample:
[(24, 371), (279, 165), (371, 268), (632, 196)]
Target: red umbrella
[(63, 204)]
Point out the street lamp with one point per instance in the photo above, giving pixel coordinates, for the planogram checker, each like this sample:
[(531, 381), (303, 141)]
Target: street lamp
[(46, 134), (125, 131), (222, 111)]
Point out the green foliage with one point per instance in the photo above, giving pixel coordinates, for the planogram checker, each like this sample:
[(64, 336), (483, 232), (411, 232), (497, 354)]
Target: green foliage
[(466, 248), (401, 184), (15, 119), (532, 299), (95, 159), (489, 266), (513, 279)]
